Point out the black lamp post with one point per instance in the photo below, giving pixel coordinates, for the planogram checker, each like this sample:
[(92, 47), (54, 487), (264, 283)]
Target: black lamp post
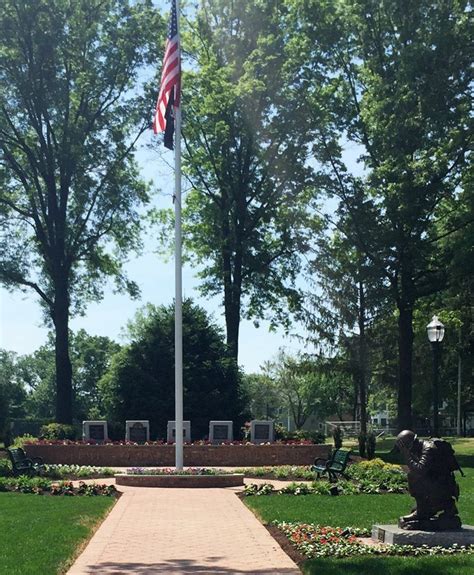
[(435, 331)]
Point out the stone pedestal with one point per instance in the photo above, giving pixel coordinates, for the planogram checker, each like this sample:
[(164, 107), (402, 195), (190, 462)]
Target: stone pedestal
[(137, 430), (261, 431), (171, 431), (220, 431), (394, 535)]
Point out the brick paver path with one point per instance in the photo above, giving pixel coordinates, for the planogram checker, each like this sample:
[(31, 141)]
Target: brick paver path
[(153, 530)]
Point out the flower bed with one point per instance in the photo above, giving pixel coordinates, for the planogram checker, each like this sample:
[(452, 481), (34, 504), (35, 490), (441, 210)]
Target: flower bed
[(324, 541), (163, 455), (43, 486)]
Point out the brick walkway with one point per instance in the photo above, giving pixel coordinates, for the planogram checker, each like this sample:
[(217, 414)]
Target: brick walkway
[(174, 531)]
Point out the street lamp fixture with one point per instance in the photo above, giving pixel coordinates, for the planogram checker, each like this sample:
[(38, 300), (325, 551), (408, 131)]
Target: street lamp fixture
[(435, 331)]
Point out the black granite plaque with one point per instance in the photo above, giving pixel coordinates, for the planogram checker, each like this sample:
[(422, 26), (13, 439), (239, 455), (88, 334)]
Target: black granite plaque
[(221, 432), (262, 432), (97, 432), (138, 433)]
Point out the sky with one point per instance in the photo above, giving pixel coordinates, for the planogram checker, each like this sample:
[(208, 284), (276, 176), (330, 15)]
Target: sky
[(21, 322)]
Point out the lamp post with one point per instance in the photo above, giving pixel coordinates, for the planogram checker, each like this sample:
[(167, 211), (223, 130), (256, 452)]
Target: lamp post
[(435, 331)]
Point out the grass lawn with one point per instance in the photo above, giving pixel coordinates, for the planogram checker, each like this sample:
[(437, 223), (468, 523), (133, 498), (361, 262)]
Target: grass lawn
[(40, 534), (391, 566), (365, 510)]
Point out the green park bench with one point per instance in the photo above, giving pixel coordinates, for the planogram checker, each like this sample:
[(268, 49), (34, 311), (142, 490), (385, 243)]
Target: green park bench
[(334, 466), (22, 465)]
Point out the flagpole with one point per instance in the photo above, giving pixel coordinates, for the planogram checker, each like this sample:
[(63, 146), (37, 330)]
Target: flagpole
[(178, 319)]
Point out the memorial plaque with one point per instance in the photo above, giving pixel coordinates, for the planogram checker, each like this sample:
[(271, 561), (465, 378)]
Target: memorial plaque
[(221, 432), (138, 433), (94, 431), (262, 432), (97, 432), (381, 535)]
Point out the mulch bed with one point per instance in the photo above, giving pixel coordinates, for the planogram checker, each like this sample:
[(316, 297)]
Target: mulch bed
[(286, 544)]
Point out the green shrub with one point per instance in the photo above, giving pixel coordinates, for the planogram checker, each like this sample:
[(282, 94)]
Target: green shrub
[(82, 471), (41, 485), (54, 431), (375, 476), (5, 468), (262, 489), (299, 435), (21, 440), (297, 489)]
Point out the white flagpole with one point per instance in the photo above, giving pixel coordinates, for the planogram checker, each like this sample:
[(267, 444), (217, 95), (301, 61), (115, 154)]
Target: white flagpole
[(178, 318)]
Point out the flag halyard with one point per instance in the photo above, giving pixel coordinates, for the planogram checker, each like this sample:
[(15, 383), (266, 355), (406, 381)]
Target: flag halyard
[(170, 86)]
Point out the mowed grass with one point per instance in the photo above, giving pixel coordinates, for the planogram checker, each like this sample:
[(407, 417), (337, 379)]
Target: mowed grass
[(41, 534), (436, 565), (365, 510)]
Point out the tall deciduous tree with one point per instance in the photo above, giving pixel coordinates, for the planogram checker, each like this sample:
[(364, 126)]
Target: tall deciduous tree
[(245, 153), (395, 79), (71, 110), (345, 300)]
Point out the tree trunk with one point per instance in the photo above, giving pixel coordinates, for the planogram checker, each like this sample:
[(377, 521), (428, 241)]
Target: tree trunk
[(362, 361), (405, 353), (63, 362)]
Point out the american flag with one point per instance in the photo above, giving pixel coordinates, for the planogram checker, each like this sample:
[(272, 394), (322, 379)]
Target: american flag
[(170, 86)]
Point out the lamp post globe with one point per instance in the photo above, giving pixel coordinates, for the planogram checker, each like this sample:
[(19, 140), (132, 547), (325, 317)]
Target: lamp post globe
[(435, 330)]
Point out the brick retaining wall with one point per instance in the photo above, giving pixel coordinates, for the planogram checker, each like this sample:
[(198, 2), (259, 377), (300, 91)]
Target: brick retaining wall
[(164, 455), (180, 480)]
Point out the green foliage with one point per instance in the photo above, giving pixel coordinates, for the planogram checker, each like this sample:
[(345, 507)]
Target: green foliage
[(398, 565), (245, 157), (258, 489), (57, 431), (299, 435), (42, 485), (22, 440), (12, 392), (72, 109), (396, 87), (280, 472), (57, 471), (304, 386), (140, 382), (90, 359), (296, 489), (380, 475), (5, 468)]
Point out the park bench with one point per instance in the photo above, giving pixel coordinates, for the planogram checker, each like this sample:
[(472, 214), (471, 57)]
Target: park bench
[(334, 466), (22, 465)]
